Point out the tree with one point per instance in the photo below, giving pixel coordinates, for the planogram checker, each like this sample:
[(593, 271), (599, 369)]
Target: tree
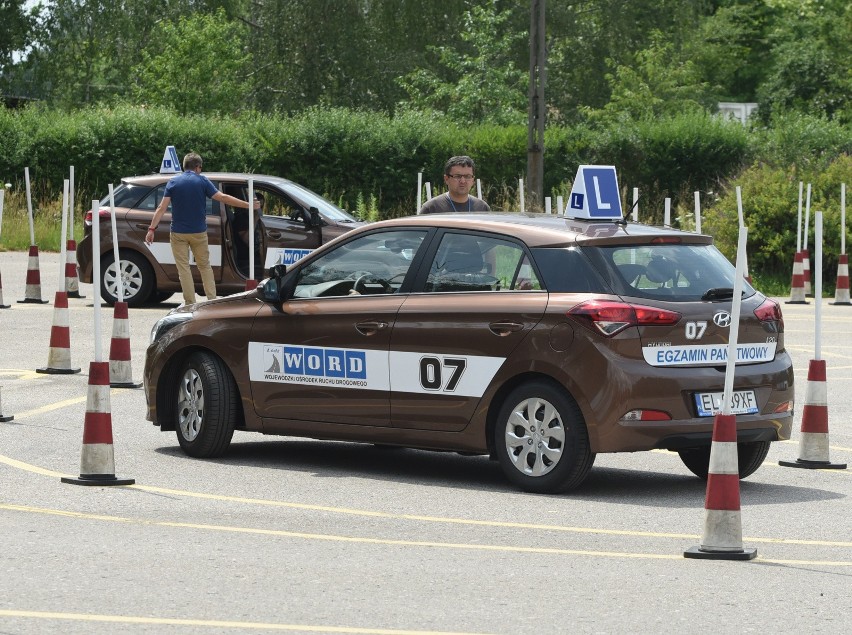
[(16, 23), (195, 65), (483, 85)]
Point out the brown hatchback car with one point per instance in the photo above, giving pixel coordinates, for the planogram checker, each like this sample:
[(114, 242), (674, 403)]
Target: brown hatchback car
[(538, 340), (286, 232)]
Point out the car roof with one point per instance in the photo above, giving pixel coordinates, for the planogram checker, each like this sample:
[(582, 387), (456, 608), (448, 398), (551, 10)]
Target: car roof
[(548, 230), (157, 178)]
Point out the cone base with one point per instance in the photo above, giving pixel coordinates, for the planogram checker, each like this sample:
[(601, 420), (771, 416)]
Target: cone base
[(125, 384), (796, 302), (834, 303), (33, 301), (5, 306), (75, 294), (97, 480), (813, 465), (697, 552), (5, 419), (57, 371)]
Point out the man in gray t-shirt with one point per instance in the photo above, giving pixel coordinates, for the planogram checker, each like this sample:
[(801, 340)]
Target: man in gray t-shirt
[(459, 178)]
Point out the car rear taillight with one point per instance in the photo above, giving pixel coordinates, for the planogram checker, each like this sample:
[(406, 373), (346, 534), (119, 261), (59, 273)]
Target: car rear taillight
[(609, 318), (769, 311), (103, 214)]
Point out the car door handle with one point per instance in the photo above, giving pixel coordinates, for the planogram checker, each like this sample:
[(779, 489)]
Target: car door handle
[(370, 327), (274, 235), (504, 328), (144, 226)]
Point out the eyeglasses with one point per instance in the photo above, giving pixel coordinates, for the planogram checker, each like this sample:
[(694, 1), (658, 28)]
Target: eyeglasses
[(461, 177)]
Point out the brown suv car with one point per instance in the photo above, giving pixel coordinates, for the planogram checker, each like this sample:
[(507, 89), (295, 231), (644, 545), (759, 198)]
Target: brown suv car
[(286, 231), (538, 340)]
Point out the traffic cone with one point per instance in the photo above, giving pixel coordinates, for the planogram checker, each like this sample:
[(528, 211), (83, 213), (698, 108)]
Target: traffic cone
[(72, 282), (97, 460), (723, 533), (813, 444), (806, 270), (2, 306), (120, 371), (32, 293), (841, 291), (4, 418), (797, 284), (59, 355)]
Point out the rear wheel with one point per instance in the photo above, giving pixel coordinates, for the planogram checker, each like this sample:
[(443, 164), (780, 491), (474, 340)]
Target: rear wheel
[(750, 456), (135, 274), (206, 403), (541, 439)]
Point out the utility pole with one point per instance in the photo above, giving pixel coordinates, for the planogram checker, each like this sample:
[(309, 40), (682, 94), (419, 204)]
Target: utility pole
[(535, 125)]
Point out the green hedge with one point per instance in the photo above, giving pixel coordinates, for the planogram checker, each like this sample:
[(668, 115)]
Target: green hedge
[(359, 156)]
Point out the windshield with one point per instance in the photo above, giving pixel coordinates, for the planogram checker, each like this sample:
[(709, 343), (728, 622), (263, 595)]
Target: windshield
[(672, 272), (309, 199)]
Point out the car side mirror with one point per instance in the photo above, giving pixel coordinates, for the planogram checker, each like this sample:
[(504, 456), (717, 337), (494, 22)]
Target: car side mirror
[(271, 290)]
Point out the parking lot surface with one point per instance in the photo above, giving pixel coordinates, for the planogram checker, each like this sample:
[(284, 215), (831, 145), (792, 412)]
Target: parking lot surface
[(296, 535)]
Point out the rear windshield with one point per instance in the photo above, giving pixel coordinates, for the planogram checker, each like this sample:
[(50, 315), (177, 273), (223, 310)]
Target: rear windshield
[(679, 273)]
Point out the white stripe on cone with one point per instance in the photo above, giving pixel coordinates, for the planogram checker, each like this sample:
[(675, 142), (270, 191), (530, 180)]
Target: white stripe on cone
[(841, 291)]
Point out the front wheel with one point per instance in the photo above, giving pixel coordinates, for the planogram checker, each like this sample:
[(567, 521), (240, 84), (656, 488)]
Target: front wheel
[(541, 439), (207, 403), (750, 456), (134, 274)]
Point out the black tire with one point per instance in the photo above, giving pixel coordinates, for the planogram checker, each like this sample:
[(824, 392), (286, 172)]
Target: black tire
[(561, 459), (750, 456), (206, 406), (161, 296), (139, 282)]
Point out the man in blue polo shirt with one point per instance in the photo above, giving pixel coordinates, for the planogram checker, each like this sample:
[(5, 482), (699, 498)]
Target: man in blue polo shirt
[(188, 193)]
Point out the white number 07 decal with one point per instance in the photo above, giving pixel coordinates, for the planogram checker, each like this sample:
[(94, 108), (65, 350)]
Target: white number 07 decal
[(695, 330)]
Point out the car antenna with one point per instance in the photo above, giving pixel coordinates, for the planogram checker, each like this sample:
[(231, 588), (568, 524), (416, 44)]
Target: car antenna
[(623, 220)]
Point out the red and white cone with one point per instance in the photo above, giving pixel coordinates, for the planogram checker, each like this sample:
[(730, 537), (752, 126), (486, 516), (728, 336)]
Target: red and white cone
[(806, 267), (59, 355), (120, 371), (841, 291), (97, 460), (2, 306), (32, 293), (722, 538), (797, 284), (813, 444), (72, 282), (4, 418)]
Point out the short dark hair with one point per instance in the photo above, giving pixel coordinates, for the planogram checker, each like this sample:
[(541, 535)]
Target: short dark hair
[(461, 160), (192, 161)]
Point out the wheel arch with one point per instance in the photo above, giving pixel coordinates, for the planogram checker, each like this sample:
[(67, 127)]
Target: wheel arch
[(167, 388)]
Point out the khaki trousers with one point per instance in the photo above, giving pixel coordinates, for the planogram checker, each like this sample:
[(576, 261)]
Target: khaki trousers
[(197, 243)]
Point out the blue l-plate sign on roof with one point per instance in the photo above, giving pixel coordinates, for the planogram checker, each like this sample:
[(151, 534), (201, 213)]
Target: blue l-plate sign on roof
[(595, 193)]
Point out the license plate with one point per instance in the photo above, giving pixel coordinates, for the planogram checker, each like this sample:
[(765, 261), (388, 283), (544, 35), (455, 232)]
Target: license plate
[(743, 402)]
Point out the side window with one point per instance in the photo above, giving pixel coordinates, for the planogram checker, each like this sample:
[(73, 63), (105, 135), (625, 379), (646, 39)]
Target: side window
[(466, 263), (372, 264), (152, 199)]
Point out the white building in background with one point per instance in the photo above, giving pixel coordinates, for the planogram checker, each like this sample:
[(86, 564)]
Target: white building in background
[(740, 111)]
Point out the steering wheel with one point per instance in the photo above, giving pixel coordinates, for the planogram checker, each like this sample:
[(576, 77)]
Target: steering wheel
[(367, 283)]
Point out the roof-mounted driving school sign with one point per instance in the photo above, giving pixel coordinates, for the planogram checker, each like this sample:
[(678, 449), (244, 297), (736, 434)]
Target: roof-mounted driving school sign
[(170, 164), (595, 194)]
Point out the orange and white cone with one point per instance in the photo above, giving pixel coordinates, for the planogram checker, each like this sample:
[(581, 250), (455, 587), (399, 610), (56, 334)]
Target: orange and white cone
[(806, 269), (59, 355), (32, 293), (72, 282), (813, 444), (120, 371), (97, 460), (841, 291), (722, 538), (4, 418), (2, 306), (797, 284)]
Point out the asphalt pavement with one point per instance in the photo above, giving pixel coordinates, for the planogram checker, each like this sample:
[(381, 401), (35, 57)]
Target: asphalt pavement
[(305, 536)]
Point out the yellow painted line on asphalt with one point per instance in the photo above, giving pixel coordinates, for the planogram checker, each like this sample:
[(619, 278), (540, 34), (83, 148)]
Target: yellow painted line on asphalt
[(259, 626), (21, 374), (414, 517), (280, 533)]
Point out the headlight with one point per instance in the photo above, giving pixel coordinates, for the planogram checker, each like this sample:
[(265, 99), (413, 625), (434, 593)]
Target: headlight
[(167, 323)]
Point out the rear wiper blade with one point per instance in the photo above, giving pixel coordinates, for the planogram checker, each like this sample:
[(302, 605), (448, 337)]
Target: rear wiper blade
[(718, 293)]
